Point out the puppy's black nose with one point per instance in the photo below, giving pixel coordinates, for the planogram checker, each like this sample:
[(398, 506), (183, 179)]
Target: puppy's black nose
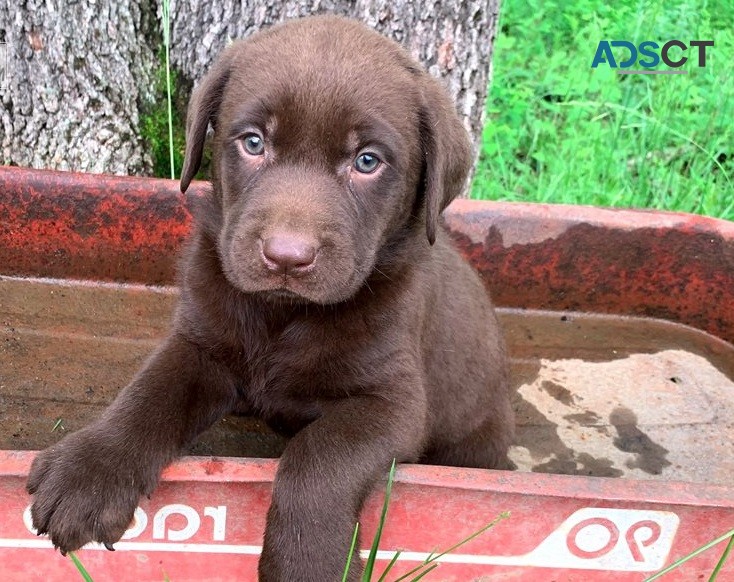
[(288, 254)]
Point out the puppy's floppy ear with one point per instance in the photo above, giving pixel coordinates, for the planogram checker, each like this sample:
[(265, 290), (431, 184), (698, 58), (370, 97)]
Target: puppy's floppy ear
[(447, 152), (203, 107)]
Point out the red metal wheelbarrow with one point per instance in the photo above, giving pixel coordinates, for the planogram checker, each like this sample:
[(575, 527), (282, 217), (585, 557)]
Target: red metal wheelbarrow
[(620, 326)]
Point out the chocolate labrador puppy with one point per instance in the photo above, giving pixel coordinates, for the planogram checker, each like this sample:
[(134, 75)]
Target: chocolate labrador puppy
[(318, 292)]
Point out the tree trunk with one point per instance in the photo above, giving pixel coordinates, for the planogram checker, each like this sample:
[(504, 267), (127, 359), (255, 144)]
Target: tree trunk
[(78, 73), (453, 39)]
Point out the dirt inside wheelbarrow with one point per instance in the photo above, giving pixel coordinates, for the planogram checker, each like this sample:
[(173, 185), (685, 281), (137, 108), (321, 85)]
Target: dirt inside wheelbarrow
[(595, 395)]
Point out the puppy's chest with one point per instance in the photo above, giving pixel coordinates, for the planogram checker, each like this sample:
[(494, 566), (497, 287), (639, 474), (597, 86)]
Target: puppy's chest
[(301, 365)]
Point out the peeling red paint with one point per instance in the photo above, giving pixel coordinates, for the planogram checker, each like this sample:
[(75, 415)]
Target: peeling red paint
[(672, 266), (101, 228), (660, 264), (57, 224)]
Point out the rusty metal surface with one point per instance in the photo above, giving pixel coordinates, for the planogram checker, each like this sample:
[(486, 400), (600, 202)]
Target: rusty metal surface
[(67, 348), (86, 226), (659, 264), (599, 393), (666, 265)]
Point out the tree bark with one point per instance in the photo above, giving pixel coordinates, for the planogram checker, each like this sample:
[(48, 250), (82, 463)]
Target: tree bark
[(78, 74), (80, 71), (453, 39)]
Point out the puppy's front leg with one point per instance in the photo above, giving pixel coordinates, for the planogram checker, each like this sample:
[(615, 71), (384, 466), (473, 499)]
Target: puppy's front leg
[(87, 486), (323, 477)]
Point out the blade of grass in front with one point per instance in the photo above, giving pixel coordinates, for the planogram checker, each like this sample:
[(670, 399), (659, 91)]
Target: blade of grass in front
[(167, 45), (723, 558), (80, 567), (370, 565), (389, 566), (433, 558), (687, 557), (425, 572), (351, 553)]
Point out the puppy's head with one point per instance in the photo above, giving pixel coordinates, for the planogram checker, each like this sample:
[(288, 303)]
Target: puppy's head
[(332, 148)]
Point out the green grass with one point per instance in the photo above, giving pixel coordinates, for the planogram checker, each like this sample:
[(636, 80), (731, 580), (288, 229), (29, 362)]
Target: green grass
[(422, 569), (717, 569), (164, 142), (169, 106), (559, 131), (80, 567)]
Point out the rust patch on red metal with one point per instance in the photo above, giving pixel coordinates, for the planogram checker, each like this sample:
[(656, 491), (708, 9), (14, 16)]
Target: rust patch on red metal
[(103, 228), (682, 272), (58, 224), (660, 264)]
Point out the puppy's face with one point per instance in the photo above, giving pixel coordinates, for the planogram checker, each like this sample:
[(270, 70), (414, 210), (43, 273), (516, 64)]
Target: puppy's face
[(321, 156), (318, 162)]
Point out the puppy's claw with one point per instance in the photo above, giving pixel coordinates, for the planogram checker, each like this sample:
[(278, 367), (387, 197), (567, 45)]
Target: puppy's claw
[(109, 546)]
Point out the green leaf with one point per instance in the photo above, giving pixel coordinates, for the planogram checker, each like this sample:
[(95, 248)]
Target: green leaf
[(435, 557), (80, 567), (350, 555), (723, 558), (389, 567), (693, 554), (370, 564)]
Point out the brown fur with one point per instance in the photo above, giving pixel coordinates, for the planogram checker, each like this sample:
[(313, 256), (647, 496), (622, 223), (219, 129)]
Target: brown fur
[(311, 296)]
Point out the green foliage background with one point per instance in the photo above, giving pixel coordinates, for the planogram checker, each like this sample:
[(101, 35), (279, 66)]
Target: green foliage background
[(154, 124), (559, 131)]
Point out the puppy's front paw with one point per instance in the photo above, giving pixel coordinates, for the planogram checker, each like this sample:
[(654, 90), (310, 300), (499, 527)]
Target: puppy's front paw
[(84, 490)]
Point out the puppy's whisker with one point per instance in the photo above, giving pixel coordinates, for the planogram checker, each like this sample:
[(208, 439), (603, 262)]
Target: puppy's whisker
[(383, 274)]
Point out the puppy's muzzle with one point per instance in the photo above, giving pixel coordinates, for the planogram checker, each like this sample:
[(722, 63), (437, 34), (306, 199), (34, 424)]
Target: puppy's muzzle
[(288, 254)]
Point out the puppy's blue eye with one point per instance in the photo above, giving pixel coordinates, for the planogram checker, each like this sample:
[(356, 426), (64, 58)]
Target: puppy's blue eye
[(254, 144), (366, 163)]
